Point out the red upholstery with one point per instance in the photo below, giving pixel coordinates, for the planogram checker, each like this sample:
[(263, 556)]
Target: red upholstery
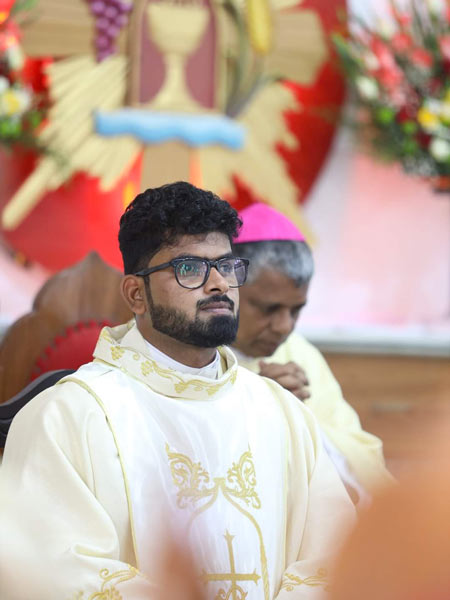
[(71, 349)]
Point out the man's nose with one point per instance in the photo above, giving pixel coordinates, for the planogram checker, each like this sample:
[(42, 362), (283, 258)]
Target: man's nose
[(216, 282), (282, 322)]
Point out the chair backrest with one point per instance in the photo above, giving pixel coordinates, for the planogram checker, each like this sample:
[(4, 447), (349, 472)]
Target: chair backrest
[(11, 407), (61, 330)]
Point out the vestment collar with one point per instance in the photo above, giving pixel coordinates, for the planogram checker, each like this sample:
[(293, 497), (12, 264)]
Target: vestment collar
[(210, 370), (124, 348)]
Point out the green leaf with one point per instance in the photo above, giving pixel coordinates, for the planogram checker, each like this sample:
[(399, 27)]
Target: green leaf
[(410, 127), (20, 5), (410, 146), (385, 115), (34, 118)]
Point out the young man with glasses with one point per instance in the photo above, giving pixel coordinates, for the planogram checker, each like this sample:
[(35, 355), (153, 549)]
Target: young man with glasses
[(164, 435)]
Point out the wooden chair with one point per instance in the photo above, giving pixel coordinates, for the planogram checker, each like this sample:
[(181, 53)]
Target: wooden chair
[(11, 407), (61, 330)]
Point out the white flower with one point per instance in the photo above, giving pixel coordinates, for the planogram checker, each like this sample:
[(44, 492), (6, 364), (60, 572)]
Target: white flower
[(14, 102), (4, 84), (436, 6), (367, 87), (370, 61), (15, 57), (386, 28), (433, 105), (440, 149), (445, 111)]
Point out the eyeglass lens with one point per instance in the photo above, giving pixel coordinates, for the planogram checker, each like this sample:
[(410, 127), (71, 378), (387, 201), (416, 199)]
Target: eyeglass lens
[(191, 272)]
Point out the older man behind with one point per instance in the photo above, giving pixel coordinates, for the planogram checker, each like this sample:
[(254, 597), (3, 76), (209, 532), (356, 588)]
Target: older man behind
[(271, 302)]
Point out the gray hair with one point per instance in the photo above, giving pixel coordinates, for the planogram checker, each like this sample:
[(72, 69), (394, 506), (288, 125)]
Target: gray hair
[(293, 259)]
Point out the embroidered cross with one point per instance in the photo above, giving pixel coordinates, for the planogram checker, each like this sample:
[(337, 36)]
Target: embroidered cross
[(235, 591)]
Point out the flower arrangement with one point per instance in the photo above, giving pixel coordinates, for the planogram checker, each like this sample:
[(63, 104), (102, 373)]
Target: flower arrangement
[(399, 72), (21, 110)]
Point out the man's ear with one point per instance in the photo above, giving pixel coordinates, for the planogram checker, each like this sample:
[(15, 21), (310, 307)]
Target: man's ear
[(132, 290)]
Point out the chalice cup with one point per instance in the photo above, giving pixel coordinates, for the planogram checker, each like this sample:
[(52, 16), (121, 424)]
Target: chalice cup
[(177, 30)]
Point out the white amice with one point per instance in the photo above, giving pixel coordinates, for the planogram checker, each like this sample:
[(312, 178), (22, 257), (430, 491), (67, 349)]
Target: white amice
[(99, 469)]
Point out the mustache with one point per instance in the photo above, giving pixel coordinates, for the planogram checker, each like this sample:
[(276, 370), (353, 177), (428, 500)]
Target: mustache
[(213, 300)]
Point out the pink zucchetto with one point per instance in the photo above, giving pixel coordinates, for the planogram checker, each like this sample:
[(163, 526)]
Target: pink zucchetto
[(262, 223)]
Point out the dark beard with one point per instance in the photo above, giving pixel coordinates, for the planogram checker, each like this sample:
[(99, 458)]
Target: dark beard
[(217, 331)]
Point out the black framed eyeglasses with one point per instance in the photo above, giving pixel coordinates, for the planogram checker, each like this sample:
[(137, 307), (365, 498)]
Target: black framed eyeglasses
[(192, 273)]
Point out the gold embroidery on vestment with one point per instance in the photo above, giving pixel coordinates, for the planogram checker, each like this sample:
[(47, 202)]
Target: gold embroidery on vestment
[(150, 367), (235, 591), (117, 352), (291, 581), (193, 483), (191, 480), (243, 476), (108, 590), (105, 335)]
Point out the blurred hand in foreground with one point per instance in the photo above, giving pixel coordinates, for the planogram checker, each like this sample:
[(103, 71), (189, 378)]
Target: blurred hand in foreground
[(400, 548), (179, 575)]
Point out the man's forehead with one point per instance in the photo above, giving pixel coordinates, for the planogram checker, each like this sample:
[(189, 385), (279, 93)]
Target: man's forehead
[(278, 288), (207, 245)]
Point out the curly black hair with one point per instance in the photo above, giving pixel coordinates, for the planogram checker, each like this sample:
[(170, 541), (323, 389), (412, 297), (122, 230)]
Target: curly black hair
[(159, 216)]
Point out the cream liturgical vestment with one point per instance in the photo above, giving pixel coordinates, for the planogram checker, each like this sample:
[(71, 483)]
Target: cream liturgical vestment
[(340, 423), (98, 469)]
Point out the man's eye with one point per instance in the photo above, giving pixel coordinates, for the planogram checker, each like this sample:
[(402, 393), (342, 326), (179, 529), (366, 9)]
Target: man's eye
[(267, 310), (296, 311), (186, 269), (226, 267)]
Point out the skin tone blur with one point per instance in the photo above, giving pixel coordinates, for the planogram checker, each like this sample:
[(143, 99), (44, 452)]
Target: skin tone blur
[(269, 309), (167, 292)]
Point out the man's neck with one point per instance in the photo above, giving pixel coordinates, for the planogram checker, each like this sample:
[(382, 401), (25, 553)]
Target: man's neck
[(186, 354)]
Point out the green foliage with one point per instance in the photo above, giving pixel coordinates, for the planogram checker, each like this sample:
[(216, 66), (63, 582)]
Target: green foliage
[(400, 82)]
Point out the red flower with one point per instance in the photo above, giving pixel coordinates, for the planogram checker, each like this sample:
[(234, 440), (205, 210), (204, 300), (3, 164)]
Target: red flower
[(388, 73), (9, 36), (407, 113), (444, 46), (401, 42), (391, 77), (5, 9), (403, 19), (422, 58), (383, 54), (397, 95), (423, 139), (435, 84)]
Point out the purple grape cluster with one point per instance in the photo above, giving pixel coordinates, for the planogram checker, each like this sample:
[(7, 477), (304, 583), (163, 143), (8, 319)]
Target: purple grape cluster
[(110, 17)]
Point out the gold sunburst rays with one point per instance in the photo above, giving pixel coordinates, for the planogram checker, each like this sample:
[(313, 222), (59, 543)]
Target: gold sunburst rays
[(61, 28), (298, 46), (298, 51), (259, 165), (78, 86), (55, 28)]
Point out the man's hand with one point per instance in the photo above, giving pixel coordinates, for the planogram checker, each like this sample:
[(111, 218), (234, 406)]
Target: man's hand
[(290, 376)]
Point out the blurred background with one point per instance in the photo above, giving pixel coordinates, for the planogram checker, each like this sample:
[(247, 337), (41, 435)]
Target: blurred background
[(302, 108)]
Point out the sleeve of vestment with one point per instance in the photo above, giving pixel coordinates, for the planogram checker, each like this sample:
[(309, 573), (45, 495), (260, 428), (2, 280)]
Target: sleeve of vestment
[(313, 534), (64, 523)]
